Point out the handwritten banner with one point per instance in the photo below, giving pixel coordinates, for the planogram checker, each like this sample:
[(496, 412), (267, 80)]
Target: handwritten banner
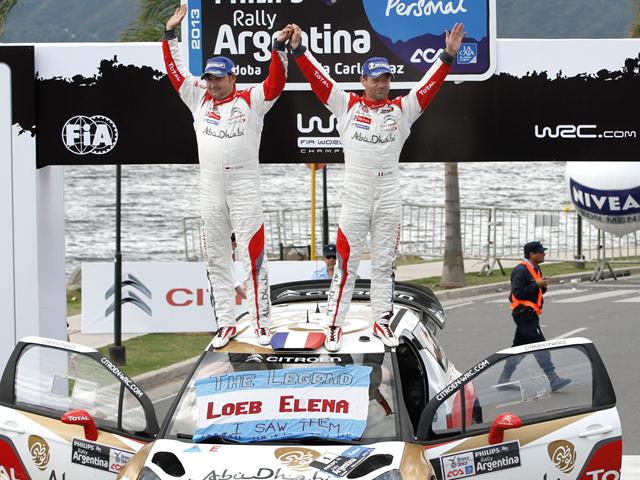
[(328, 402)]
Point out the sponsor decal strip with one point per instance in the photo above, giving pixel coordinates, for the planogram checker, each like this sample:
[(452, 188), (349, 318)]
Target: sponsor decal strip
[(97, 456), (482, 460)]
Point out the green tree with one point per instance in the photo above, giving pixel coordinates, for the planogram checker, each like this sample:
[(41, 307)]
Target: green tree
[(5, 7), (635, 28), (149, 25)]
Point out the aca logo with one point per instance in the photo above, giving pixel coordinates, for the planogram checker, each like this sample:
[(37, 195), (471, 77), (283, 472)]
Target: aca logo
[(83, 135)]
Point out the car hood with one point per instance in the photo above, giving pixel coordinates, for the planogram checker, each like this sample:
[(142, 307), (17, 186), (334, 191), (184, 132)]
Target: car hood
[(287, 462)]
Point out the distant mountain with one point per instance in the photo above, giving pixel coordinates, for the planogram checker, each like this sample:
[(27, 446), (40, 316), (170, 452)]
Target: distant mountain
[(32, 21), (103, 21)]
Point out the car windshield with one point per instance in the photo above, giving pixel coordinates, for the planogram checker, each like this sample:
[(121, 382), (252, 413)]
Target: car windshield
[(242, 397)]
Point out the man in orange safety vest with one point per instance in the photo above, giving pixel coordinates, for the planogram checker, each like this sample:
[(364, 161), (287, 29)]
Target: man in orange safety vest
[(527, 288)]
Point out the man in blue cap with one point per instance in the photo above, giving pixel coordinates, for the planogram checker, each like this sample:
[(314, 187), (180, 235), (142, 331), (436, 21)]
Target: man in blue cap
[(228, 124), (527, 287), (373, 130), (329, 257)]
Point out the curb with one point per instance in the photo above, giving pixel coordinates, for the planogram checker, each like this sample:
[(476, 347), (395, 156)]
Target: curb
[(164, 375), (464, 292)]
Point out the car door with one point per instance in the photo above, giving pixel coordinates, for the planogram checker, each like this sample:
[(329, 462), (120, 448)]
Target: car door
[(523, 428), (67, 412)]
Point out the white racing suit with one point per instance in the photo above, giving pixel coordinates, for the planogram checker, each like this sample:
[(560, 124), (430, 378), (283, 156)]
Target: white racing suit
[(228, 133), (372, 135)]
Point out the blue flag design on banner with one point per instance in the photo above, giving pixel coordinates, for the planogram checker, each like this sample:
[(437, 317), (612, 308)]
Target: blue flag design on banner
[(261, 405)]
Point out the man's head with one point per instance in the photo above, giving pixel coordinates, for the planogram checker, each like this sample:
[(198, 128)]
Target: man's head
[(535, 252), (376, 78), (220, 77), (329, 255)]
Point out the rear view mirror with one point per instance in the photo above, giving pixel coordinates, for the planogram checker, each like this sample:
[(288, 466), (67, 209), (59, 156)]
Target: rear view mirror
[(82, 417), (504, 421)]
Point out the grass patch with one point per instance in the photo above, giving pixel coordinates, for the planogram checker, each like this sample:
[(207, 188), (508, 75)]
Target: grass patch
[(548, 269), (74, 302), (157, 350)]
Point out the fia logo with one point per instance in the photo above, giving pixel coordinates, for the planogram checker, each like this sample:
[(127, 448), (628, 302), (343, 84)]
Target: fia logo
[(468, 54), (83, 135)]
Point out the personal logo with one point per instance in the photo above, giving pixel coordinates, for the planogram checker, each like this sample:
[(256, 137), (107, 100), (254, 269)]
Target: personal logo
[(468, 54), (39, 450), (296, 458), (84, 135), (563, 455)]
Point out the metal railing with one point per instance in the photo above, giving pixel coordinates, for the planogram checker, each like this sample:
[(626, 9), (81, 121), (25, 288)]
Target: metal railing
[(487, 233)]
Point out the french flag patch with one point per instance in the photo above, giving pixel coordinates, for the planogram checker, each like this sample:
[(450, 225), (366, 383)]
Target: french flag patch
[(297, 340)]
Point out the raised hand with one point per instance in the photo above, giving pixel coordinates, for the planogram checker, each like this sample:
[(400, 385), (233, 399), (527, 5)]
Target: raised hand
[(175, 21), (284, 34), (454, 38), (296, 36)]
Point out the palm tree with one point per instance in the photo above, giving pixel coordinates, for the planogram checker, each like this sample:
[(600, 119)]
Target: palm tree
[(149, 25), (635, 28), (453, 266), (5, 7)]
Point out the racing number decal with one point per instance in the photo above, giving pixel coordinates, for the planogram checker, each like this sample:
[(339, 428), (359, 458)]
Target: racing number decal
[(11, 466)]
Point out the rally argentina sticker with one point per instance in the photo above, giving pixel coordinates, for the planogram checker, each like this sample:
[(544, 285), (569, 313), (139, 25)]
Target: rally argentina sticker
[(100, 457), (482, 460)]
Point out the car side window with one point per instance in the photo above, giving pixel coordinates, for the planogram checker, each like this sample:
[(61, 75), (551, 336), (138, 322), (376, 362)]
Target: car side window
[(532, 385), (414, 381), (57, 381)]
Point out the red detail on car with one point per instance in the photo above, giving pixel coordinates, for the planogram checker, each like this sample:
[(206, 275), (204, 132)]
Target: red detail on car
[(10, 464), (605, 463), (82, 417), (504, 421)]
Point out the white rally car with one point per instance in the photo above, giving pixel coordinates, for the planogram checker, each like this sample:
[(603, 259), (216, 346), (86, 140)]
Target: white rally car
[(297, 412)]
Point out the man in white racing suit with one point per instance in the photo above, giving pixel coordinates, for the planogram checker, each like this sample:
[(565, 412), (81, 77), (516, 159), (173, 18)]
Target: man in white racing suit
[(373, 130), (228, 124)]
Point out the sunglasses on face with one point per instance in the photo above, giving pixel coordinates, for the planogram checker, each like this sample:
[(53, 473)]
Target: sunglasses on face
[(330, 257)]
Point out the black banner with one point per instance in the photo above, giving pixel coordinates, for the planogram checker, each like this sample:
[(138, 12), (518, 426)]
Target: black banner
[(20, 60), (510, 118)]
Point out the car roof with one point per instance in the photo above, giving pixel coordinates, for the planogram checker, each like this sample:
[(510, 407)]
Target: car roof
[(301, 307)]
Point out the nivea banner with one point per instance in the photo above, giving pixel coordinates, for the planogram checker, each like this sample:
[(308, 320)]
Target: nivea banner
[(342, 34), (260, 405), (607, 194)]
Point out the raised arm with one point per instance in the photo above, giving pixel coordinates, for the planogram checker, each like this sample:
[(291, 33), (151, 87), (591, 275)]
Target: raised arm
[(325, 88), (263, 97), (414, 103), (190, 88)]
